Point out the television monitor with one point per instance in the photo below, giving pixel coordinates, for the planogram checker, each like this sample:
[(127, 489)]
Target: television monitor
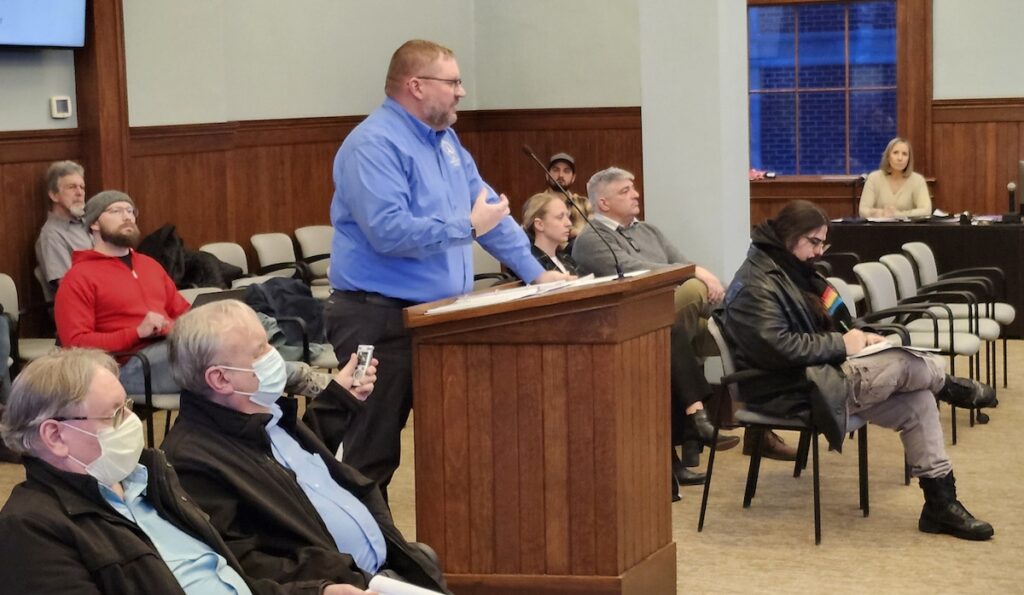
[(42, 23)]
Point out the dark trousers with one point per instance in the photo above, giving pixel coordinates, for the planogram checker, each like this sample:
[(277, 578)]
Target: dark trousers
[(372, 442), (688, 384)]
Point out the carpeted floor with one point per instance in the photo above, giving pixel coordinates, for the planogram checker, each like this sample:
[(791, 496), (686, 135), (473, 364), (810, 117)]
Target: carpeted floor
[(769, 548)]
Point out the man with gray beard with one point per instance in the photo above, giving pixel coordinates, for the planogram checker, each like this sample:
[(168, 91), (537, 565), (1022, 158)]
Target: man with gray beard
[(65, 230)]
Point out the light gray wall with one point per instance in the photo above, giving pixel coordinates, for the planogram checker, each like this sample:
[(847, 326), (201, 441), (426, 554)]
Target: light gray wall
[(261, 59), (695, 130), (28, 78), (978, 48), (570, 53)]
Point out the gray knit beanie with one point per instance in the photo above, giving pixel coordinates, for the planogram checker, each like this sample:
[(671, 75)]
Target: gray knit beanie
[(95, 206)]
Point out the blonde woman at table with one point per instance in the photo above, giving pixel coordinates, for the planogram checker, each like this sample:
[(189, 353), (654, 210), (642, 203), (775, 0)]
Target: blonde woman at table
[(894, 190)]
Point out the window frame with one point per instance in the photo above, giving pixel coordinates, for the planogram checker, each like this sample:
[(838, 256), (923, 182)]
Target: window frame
[(913, 75)]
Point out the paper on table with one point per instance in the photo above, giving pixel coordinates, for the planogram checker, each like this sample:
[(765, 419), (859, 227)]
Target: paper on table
[(885, 345), (390, 586)]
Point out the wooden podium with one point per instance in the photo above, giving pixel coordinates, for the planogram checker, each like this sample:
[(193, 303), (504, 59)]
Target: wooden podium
[(542, 440)]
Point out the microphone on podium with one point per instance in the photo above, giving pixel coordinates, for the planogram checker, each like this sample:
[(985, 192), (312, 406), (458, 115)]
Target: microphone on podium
[(1013, 213), (568, 198)]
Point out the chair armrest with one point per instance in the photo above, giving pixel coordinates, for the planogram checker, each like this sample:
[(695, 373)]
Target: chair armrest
[(147, 381), (973, 284), (921, 310), (315, 258), (896, 329), (987, 272), (302, 270)]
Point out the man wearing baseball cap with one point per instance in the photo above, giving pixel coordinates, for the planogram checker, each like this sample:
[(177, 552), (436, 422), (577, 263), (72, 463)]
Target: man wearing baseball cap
[(562, 168)]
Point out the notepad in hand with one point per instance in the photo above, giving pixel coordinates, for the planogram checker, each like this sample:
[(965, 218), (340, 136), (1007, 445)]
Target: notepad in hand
[(390, 586), (885, 345)]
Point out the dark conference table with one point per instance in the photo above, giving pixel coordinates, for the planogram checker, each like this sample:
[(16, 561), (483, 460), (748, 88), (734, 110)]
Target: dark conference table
[(955, 246)]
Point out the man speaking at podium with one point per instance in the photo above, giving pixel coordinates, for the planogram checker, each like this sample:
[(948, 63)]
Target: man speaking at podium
[(408, 204)]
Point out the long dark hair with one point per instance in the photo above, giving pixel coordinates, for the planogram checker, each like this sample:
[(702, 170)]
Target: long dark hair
[(796, 219)]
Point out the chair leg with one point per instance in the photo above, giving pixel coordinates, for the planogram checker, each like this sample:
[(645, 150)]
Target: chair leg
[(801, 453), (862, 458), (906, 472), (707, 480), (817, 491), (1004, 363), (753, 470)]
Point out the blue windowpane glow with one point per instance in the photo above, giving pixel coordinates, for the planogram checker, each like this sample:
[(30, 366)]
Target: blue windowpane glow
[(773, 132), (822, 132), (839, 58), (872, 44), (872, 125), (772, 53), (821, 47)]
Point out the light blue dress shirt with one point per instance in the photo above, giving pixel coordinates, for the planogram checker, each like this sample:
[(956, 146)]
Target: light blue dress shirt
[(199, 569), (402, 197), (349, 522)]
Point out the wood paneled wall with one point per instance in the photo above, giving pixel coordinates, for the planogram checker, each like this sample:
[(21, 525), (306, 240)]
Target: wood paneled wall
[(24, 157), (228, 181), (596, 138), (978, 143)]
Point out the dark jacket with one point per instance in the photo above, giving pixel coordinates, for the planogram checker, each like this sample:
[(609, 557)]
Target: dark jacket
[(769, 326), (549, 265), (224, 460), (61, 536)]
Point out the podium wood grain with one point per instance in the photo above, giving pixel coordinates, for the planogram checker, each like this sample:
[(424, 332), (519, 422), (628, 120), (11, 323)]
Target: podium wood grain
[(542, 433)]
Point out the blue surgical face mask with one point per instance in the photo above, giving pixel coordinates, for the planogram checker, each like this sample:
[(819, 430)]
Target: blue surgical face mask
[(272, 376)]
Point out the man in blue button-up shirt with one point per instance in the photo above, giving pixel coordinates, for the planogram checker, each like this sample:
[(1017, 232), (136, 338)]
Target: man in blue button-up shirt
[(408, 204)]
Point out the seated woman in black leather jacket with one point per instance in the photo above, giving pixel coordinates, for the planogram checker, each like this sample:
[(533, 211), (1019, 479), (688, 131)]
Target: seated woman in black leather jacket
[(780, 314)]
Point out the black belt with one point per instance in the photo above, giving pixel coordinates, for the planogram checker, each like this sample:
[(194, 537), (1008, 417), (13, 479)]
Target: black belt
[(369, 297)]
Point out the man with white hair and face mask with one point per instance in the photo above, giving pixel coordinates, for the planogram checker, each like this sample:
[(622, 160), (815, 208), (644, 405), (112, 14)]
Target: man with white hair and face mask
[(98, 513), (285, 505)]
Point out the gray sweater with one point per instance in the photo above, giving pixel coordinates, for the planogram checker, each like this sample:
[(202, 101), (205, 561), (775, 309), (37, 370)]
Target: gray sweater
[(650, 249)]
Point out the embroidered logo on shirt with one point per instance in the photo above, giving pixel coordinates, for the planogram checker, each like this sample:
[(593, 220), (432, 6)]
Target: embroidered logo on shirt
[(450, 152)]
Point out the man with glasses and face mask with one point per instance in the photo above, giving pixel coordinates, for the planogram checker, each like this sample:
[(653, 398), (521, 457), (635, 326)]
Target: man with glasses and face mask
[(781, 315), (118, 300), (284, 504), (408, 204), (98, 513)]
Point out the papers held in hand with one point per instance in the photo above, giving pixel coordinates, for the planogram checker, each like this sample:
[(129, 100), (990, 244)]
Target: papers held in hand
[(390, 586), (500, 296), (885, 345)]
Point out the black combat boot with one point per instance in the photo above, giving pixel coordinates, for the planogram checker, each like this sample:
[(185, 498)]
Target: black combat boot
[(943, 513), (967, 393)]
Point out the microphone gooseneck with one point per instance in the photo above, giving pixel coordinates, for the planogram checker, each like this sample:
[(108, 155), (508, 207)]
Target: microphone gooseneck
[(554, 183)]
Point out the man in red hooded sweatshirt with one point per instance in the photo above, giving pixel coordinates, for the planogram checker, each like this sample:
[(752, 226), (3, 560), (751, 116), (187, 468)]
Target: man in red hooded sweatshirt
[(118, 300)]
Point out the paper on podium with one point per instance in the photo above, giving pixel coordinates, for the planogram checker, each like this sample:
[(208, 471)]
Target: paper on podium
[(500, 296), (390, 586)]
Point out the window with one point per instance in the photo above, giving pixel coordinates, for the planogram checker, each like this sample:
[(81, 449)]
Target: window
[(822, 86)]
